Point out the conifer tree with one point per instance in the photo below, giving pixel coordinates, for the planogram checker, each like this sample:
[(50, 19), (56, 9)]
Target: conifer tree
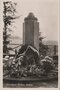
[(9, 15)]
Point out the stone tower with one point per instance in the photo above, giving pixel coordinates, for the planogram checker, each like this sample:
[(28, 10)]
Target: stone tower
[(31, 31)]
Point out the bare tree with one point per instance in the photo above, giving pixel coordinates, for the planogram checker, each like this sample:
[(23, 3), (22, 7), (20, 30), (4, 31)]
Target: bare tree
[(42, 48)]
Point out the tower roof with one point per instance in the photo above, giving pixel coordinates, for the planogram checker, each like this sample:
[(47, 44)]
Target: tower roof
[(30, 17)]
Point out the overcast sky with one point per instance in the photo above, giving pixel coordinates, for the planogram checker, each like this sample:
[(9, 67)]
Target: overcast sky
[(47, 13)]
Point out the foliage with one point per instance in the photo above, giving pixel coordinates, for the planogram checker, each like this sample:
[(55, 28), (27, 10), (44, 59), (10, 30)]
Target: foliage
[(9, 14), (43, 49), (47, 64), (20, 67)]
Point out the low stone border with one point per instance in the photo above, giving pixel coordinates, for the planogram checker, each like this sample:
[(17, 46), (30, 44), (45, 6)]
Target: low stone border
[(28, 80)]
